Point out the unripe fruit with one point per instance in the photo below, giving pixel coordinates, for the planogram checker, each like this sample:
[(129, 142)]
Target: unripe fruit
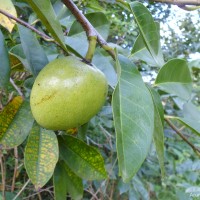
[(67, 93)]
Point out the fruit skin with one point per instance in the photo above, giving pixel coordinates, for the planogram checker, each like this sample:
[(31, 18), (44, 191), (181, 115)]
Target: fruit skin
[(67, 93)]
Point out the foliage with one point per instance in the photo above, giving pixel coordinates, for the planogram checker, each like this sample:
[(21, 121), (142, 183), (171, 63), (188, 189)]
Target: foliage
[(130, 149)]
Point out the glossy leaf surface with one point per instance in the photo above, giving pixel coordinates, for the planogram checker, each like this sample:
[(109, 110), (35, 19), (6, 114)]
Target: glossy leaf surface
[(133, 118), (148, 31)]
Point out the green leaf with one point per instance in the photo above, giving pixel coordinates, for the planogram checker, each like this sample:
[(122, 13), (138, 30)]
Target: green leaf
[(158, 135), (174, 77), (140, 52), (19, 127), (4, 64), (191, 124), (133, 111), (5, 21), (8, 113), (148, 31), (15, 63), (74, 183), (77, 38), (104, 64), (41, 155), (191, 117), (46, 14), (66, 181), (83, 160), (35, 54), (60, 182)]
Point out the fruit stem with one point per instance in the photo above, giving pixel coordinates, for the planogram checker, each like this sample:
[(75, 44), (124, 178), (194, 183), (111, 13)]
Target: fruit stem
[(91, 48), (87, 26)]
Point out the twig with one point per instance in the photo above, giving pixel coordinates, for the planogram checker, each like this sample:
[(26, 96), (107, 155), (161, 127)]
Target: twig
[(15, 86), (195, 149), (43, 190), (21, 189), (44, 36), (94, 197), (15, 169), (2, 176), (87, 26)]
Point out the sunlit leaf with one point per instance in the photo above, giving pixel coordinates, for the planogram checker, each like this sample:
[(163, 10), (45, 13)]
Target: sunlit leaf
[(83, 160), (133, 111), (35, 54), (46, 14), (8, 113), (4, 64), (174, 77), (140, 51), (158, 134), (9, 8), (148, 30), (41, 155), (18, 129)]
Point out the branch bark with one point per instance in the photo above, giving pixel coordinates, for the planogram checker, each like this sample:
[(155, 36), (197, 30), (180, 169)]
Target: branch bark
[(87, 26)]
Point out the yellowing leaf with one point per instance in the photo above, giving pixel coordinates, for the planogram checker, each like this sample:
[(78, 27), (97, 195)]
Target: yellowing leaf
[(7, 6), (19, 127), (41, 155), (8, 113)]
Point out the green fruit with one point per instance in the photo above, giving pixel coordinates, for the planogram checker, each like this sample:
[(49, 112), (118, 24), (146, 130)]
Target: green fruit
[(67, 93)]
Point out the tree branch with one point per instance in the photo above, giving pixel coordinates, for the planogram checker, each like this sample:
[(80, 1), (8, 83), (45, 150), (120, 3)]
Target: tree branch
[(87, 26), (195, 149), (23, 23), (44, 36), (180, 2)]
